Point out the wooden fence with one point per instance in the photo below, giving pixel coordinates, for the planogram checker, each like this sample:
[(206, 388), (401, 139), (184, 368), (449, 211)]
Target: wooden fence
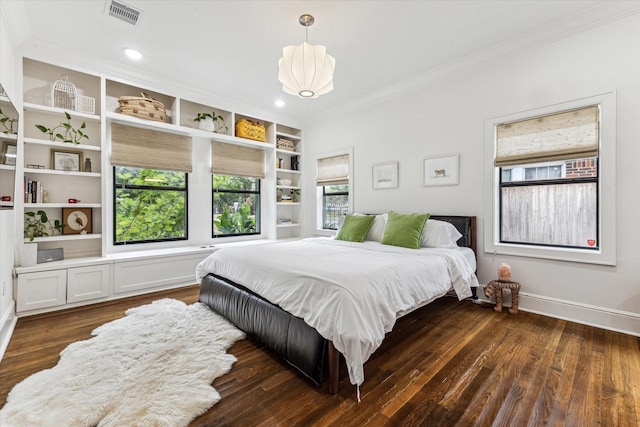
[(562, 214)]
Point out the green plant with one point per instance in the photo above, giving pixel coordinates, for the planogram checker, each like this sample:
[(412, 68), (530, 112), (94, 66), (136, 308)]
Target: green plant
[(70, 134), (239, 221), (37, 224), (217, 119), (295, 195), (8, 122)]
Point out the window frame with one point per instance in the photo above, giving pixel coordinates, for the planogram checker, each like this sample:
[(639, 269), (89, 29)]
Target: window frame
[(606, 252), (324, 196), (185, 190), (258, 207)]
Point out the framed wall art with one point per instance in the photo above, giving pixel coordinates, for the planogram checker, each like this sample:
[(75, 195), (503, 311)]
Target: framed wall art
[(76, 220), (9, 153), (442, 170), (385, 175), (66, 160)]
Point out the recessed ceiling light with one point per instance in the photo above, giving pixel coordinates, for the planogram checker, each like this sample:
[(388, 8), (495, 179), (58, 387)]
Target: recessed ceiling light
[(132, 53), (279, 103)]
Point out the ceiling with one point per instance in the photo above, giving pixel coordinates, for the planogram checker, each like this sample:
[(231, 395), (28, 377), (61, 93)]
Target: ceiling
[(230, 49)]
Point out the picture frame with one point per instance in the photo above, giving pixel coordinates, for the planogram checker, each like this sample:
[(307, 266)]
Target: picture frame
[(9, 153), (385, 175), (441, 170), (66, 160), (77, 220)]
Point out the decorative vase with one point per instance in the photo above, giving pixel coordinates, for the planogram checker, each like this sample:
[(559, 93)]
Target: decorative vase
[(207, 124)]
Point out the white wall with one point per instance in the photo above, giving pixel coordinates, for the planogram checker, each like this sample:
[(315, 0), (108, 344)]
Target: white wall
[(7, 218), (447, 116)]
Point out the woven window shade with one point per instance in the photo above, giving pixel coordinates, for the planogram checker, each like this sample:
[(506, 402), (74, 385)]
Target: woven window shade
[(149, 149), (228, 159), (567, 135), (333, 170)]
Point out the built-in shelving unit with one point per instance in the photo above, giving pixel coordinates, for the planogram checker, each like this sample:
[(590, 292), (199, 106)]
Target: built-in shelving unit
[(288, 180), (8, 150), (86, 265), (53, 172)]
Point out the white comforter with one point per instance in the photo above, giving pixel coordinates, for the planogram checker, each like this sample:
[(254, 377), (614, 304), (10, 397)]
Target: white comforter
[(351, 293)]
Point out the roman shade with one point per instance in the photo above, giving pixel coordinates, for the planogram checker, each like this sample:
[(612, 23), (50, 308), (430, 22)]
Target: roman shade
[(333, 170), (150, 149), (562, 136), (238, 160)]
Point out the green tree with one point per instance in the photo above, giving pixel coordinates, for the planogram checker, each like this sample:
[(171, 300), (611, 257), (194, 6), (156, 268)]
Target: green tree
[(235, 200), (150, 205)]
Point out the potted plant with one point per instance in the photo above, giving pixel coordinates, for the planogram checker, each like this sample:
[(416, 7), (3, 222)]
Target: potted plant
[(37, 224), (7, 122), (208, 122), (70, 134)]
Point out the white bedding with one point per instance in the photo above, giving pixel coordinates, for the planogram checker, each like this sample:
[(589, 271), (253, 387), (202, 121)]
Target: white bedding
[(351, 293)]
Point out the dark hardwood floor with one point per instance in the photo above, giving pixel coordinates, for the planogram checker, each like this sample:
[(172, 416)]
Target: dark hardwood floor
[(449, 364)]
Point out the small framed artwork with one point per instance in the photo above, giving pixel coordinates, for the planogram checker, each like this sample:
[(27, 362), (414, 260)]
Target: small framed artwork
[(385, 175), (66, 160), (9, 153), (441, 170), (76, 220)]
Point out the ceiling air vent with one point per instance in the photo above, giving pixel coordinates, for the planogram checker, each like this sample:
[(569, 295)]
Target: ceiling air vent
[(123, 12)]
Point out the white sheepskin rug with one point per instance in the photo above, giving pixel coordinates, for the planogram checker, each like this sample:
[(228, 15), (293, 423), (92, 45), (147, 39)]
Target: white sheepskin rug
[(153, 367)]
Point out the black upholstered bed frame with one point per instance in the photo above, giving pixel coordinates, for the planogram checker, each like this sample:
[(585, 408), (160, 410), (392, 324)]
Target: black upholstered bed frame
[(288, 336)]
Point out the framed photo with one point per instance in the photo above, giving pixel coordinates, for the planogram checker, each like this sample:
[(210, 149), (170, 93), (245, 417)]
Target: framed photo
[(66, 160), (441, 170), (76, 220), (9, 153), (385, 175)]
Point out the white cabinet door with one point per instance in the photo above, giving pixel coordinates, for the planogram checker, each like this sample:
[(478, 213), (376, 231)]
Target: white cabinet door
[(86, 283), (42, 289), (156, 272)]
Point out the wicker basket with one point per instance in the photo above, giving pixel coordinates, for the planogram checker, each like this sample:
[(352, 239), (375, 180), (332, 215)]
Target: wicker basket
[(285, 144), (250, 130), (143, 107)]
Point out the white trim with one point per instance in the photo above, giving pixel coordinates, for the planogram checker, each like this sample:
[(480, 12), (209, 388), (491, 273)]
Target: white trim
[(586, 314), (606, 255), (7, 326)]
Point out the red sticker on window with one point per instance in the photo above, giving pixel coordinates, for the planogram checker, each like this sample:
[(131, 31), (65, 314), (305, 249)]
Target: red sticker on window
[(591, 242)]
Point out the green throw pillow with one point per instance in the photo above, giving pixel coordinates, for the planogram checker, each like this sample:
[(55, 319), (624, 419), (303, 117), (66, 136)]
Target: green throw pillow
[(355, 227), (404, 229)]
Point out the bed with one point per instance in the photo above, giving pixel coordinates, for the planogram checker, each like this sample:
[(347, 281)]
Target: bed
[(314, 300)]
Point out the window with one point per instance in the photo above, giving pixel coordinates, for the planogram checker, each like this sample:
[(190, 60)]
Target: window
[(332, 179), (150, 205), (236, 205), (545, 205), (149, 184), (335, 205), (552, 184)]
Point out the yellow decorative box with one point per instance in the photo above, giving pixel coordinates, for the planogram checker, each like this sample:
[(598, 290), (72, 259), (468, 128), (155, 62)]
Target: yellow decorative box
[(250, 130)]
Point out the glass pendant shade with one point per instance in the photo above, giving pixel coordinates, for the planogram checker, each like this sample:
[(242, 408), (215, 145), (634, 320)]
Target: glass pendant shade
[(306, 70)]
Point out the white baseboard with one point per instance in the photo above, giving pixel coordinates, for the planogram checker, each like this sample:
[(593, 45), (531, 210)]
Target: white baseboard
[(604, 318), (7, 325)]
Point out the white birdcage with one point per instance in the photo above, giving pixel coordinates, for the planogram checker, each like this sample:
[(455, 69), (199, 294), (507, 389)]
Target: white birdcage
[(64, 94), (85, 104)]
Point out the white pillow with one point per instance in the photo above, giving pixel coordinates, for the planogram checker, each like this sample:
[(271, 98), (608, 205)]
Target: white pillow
[(376, 231), (439, 234)]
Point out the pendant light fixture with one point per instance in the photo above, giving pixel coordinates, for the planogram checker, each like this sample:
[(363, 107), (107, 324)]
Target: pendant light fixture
[(306, 70)]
